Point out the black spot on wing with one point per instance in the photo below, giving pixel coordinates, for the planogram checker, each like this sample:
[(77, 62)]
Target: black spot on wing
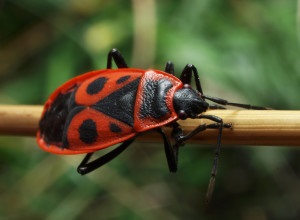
[(115, 128), (88, 131), (96, 86), (72, 113), (122, 79)]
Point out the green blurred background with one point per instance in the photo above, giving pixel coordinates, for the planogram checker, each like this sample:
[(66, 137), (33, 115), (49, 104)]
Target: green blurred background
[(245, 51)]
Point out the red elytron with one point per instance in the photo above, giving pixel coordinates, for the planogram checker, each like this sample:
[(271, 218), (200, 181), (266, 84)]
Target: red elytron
[(106, 107)]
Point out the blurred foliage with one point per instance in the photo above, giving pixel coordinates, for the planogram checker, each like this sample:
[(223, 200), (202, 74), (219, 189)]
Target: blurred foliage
[(245, 51)]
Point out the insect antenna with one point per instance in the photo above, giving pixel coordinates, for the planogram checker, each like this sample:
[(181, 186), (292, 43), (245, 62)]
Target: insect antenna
[(240, 105)]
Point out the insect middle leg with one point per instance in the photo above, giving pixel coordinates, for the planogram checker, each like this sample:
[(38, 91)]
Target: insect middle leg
[(170, 151), (115, 55), (170, 68)]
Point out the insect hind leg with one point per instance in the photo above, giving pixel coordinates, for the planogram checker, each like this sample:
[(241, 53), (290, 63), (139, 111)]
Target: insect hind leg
[(116, 55), (86, 166)]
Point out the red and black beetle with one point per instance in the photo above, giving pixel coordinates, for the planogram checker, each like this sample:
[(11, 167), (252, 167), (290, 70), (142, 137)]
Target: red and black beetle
[(105, 107)]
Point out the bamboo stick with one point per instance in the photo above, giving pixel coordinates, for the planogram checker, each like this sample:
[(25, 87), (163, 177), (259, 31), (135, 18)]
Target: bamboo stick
[(249, 127), (252, 127), (19, 119)]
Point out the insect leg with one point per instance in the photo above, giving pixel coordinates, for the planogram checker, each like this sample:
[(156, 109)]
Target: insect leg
[(240, 105), (115, 55), (186, 76), (171, 152), (177, 133), (86, 167), (180, 138), (219, 124), (170, 68)]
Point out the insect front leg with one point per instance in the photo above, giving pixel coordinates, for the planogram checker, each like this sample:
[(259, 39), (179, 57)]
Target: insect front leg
[(180, 138), (218, 125), (173, 150), (115, 55), (186, 76)]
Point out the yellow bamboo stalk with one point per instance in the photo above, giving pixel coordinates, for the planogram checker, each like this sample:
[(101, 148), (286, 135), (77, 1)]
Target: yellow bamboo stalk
[(249, 127), (253, 127), (19, 119)]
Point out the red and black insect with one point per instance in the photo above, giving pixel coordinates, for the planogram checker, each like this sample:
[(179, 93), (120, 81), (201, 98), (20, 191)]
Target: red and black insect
[(105, 107)]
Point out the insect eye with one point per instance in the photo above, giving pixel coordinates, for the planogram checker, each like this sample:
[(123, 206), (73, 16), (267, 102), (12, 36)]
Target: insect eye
[(182, 115)]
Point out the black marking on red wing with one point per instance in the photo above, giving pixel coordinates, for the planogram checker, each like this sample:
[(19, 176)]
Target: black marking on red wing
[(73, 112), (122, 79), (120, 104), (53, 121), (88, 131), (114, 128), (154, 98), (96, 86), (72, 103)]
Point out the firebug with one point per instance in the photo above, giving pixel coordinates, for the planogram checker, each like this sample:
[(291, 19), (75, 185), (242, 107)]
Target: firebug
[(102, 108)]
